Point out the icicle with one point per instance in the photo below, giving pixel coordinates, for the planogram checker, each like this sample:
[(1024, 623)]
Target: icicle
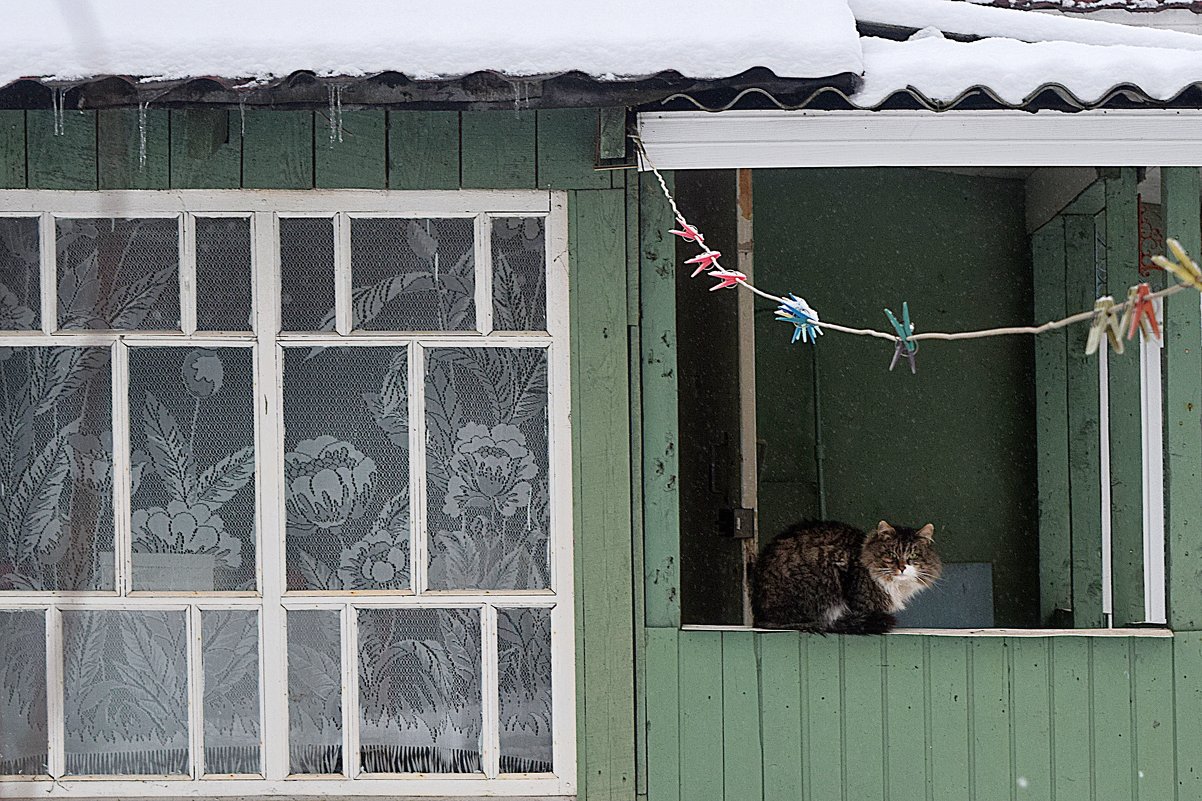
[(142, 106), (242, 116), (59, 101), (334, 92)]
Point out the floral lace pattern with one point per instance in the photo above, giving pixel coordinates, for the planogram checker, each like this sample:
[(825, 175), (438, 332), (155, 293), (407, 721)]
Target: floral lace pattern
[(192, 429), (488, 500), (56, 489), (524, 669), (23, 722), (20, 276)]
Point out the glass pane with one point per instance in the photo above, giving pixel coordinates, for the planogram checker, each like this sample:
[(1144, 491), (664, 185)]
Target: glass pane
[(125, 693), (413, 275), (346, 467), (223, 274), (307, 274), (486, 468), (20, 277), (524, 667), (56, 532), (230, 653), (314, 691), (519, 274), (191, 427), (419, 690), (23, 730), (118, 273)]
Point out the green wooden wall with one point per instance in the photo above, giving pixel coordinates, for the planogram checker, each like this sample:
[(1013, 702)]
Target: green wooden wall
[(206, 149)]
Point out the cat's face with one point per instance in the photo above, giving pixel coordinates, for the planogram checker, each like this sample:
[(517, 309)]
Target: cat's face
[(895, 554)]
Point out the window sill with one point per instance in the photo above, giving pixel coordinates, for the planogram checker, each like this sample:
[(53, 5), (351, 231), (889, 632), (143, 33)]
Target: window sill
[(1129, 632)]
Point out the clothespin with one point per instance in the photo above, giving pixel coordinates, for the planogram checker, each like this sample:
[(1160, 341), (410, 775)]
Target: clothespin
[(805, 320), (727, 279), (905, 346), (1185, 268), (706, 261), (1140, 313), (689, 234), (1105, 324)]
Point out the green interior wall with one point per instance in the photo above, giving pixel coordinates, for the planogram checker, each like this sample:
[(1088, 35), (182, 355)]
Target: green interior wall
[(553, 149), (849, 440)]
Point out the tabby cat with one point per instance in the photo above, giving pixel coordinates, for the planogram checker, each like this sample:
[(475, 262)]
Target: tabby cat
[(831, 577)]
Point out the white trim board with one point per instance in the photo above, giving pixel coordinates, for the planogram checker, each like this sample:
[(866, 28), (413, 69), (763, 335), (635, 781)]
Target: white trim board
[(693, 140)]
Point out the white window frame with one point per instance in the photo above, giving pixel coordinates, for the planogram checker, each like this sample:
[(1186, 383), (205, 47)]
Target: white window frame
[(265, 208)]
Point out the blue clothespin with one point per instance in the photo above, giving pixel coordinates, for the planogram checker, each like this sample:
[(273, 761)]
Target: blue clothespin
[(795, 310), (905, 345)]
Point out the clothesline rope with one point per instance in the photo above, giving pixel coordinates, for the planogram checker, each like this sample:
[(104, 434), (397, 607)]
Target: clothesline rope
[(982, 333)]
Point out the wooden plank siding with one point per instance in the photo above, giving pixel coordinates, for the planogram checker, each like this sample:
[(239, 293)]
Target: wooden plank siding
[(1008, 718)]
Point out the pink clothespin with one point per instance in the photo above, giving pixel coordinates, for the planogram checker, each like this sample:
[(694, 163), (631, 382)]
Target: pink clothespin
[(689, 234), (706, 261), (727, 278)]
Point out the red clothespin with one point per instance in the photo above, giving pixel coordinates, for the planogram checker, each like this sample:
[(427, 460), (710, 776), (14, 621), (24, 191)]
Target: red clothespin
[(727, 278), (689, 234), (1140, 313), (706, 261)]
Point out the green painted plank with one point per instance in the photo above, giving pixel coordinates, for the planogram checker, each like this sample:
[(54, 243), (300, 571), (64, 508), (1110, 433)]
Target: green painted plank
[(1183, 410), (133, 148), (742, 754), (989, 706), (1051, 424), (948, 700), (1152, 663), (1071, 718), (498, 149), (1030, 717), (905, 752), (61, 162), (1187, 707), (12, 149), (823, 744), (1091, 201), (1083, 420), (600, 417), (582, 656), (423, 149), (661, 490), (863, 714), (354, 157), (663, 715), (206, 149), (1126, 431), (277, 149), (1112, 728), (780, 702), (567, 150), (612, 143), (701, 763)]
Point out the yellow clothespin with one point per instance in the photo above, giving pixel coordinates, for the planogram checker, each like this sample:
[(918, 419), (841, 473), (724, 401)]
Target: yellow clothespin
[(1185, 268), (1105, 323)]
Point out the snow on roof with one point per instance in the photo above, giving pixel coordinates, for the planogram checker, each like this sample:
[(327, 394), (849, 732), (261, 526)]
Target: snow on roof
[(1096, 5), (942, 70), (606, 39), (952, 16)]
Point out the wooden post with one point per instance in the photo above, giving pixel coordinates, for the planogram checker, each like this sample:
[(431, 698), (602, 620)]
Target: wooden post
[(1183, 411), (1126, 432)]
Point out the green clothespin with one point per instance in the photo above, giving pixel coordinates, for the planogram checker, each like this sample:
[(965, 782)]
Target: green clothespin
[(905, 345)]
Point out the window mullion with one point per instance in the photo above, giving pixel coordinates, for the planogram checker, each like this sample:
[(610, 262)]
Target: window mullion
[(47, 275), (490, 689), (195, 667), (122, 503), (417, 467), (187, 274), (342, 274), (57, 757), (483, 259), (268, 422), (350, 691)]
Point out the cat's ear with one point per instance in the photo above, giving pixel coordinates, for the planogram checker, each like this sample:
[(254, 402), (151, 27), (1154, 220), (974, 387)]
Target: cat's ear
[(884, 529), (927, 532)]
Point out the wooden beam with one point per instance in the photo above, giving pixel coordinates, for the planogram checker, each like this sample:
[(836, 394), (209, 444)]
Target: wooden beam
[(1183, 410), (1126, 430), (133, 148)]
